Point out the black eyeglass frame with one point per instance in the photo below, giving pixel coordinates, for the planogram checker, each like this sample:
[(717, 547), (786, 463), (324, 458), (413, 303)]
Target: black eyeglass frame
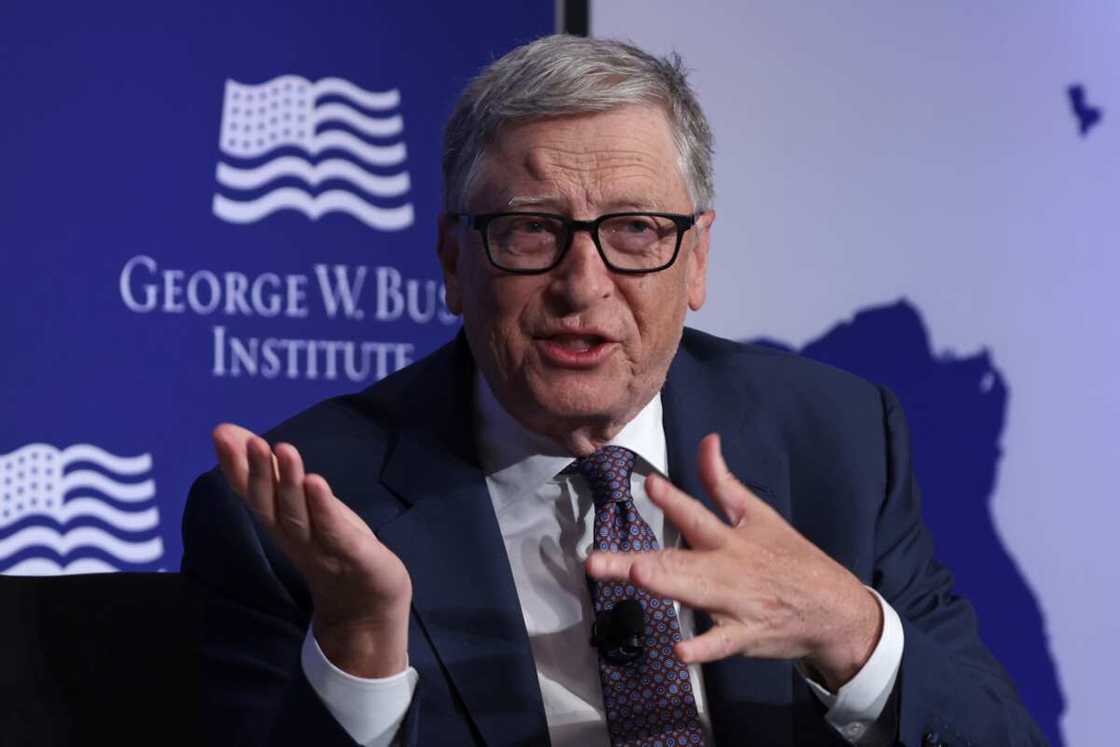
[(481, 221)]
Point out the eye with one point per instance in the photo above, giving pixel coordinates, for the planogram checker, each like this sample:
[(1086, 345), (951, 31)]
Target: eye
[(638, 225), (637, 230), (530, 225)]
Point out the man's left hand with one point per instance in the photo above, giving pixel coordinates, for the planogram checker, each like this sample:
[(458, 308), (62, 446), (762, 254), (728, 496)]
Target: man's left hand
[(771, 593)]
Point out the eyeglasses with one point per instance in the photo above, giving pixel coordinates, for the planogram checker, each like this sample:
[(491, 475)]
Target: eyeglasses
[(532, 243)]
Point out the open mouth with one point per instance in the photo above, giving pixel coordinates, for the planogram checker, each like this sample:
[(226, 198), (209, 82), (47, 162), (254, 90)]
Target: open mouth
[(572, 350), (577, 343)]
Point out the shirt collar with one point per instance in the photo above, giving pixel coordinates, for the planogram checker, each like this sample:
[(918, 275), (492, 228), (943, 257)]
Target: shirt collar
[(518, 461)]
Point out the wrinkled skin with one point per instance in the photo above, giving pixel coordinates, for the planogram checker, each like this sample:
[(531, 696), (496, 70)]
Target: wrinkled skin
[(582, 167)]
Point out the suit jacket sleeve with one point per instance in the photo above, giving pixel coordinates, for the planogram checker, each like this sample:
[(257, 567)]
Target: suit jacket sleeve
[(949, 683), (255, 614)]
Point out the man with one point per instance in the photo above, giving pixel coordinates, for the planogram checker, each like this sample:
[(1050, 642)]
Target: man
[(418, 563)]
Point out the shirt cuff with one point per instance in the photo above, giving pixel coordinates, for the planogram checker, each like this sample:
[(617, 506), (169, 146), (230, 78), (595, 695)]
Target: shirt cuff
[(859, 704), (370, 710)]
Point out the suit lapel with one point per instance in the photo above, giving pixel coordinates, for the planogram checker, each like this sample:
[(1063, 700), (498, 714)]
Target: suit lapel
[(698, 400), (463, 591), (750, 700)]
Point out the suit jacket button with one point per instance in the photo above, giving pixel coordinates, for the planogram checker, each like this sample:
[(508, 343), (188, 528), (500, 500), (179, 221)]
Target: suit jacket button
[(932, 739)]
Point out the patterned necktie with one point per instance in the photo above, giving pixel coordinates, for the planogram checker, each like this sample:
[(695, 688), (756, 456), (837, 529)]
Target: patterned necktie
[(649, 700)]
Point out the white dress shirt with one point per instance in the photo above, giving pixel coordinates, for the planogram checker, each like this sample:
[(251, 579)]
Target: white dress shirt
[(546, 520)]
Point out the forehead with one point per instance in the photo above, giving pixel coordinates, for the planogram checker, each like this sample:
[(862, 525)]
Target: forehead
[(622, 157)]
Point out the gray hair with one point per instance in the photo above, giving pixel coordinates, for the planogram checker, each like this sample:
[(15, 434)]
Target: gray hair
[(560, 75)]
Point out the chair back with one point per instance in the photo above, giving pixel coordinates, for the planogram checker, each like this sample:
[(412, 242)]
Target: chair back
[(97, 659)]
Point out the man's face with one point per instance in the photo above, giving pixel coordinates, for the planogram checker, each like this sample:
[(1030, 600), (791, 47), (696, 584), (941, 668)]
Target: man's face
[(576, 352)]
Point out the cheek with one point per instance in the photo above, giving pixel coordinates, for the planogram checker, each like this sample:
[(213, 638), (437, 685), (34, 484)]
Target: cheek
[(659, 306), (498, 312), (509, 301)]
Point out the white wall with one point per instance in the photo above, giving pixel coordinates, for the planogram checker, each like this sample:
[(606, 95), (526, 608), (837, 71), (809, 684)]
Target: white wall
[(869, 151)]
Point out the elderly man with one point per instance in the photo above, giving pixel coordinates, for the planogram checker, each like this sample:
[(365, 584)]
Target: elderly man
[(427, 560)]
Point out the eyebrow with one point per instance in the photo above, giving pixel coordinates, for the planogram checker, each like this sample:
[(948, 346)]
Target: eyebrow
[(625, 201), (516, 202)]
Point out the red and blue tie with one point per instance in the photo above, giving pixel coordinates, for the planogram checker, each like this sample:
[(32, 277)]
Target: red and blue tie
[(649, 701)]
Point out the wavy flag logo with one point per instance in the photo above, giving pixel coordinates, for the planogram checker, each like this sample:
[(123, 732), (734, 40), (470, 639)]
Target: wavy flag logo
[(262, 125), (76, 510)]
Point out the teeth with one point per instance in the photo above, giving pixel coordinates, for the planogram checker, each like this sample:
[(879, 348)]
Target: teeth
[(576, 343)]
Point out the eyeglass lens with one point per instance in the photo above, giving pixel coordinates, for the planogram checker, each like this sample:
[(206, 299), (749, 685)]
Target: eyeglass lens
[(630, 242)]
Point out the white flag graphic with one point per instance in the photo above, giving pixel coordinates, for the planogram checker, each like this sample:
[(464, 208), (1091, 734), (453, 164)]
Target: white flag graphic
[(76, 510), (358, 128)]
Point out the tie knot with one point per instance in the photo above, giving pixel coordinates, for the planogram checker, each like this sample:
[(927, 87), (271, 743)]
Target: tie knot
[(608, 471)]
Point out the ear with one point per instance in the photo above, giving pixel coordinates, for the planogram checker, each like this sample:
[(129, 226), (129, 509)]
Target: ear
[(447, 248), (697, 269)]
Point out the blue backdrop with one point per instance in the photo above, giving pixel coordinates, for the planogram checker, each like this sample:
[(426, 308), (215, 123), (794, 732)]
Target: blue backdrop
[(209, 212), (227, 213)]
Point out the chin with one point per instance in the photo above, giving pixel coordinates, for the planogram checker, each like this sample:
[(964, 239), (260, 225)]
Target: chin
[(592, 400)]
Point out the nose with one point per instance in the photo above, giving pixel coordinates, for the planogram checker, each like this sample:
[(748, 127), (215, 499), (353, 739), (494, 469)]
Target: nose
[(582, 278)]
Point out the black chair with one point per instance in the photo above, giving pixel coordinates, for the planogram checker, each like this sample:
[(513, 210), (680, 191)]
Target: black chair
[(99, 659)]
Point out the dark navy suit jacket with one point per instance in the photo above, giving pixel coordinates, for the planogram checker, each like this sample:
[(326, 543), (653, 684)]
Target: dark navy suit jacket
[(829, 451)]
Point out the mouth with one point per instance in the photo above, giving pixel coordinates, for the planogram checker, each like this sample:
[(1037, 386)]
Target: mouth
[(575, 350), (576, 343)]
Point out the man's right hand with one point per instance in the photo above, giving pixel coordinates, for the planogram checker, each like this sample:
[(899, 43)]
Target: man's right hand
[(361, 591)]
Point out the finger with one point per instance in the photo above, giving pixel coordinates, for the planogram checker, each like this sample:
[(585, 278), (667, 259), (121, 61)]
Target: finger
[(682, 575), (732, 497), (291, 503), (700, 527), (610, 566), (260, 493), (720, 642), (333, 525), (230, 445)]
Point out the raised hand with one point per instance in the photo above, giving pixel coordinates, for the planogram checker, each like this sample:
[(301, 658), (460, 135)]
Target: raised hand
[(771, 593), (360, 590)]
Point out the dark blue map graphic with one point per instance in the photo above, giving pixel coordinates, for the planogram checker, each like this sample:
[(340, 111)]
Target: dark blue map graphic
[(956, 408), (1087, 116)]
